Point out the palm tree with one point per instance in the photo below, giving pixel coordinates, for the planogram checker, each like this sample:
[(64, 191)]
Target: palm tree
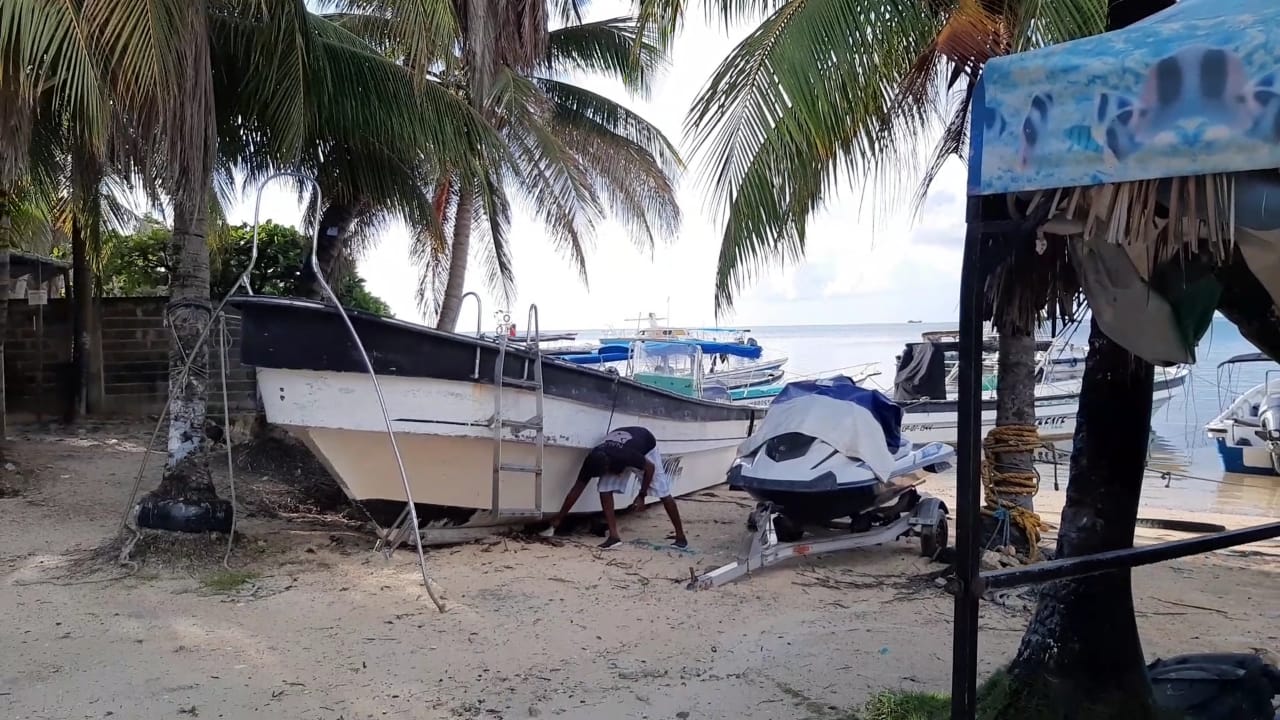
[(572, 156), (303, 83), (47, 75)]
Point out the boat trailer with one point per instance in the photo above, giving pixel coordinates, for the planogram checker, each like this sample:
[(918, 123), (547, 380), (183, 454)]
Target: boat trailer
[(926, 519)]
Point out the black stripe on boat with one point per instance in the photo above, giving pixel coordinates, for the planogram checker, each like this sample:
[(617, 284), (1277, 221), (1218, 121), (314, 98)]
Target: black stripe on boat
[(292, 334)]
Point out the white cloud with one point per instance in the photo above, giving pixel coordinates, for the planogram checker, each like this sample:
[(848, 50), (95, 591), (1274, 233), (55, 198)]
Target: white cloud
[(851, 274)]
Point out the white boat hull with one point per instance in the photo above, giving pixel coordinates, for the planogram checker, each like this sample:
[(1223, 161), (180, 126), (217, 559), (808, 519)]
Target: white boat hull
[(442, 429), (1056, 407), (1238, 433)]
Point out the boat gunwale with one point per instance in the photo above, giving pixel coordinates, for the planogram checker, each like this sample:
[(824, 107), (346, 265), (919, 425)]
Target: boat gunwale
[(518, 350)]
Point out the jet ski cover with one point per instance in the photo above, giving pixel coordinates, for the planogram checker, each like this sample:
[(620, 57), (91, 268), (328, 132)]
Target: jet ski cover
[(857, 422)]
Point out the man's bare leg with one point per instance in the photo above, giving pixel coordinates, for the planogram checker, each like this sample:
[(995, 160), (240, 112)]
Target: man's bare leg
[(569, 501), (606, 503), (673, 512)]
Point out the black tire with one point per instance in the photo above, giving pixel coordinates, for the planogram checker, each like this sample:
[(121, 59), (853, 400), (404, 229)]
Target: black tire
[(788, 530), (188, 516), (934, 540)]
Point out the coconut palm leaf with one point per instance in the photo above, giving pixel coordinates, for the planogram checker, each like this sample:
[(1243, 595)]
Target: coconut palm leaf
[(613, 48), (544, 170), (629, 162), (830, 91), (424, 33), (45, 51), (494, 235)]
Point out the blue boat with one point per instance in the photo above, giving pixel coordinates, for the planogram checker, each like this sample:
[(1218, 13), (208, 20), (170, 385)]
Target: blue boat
[(1247, 432)]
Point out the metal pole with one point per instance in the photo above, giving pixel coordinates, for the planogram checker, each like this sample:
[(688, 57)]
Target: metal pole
[(964, 658), (1073, 567)]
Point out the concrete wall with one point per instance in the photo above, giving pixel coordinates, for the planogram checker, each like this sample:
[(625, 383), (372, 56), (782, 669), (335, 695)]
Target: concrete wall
[(134, 356)]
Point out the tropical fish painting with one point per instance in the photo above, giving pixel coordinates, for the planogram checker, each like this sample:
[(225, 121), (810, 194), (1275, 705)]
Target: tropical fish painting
[(1160, 99)]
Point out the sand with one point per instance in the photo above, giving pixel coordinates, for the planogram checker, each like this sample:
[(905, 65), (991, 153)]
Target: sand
[(323, 627)]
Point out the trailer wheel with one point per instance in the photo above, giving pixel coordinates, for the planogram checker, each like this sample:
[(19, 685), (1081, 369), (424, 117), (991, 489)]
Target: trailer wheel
[(934, 539)]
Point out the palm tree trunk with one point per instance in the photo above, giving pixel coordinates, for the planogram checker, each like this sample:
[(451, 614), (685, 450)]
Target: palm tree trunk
[(186, 472), (1081, 655), (451, 306), (5, 228), (1015, 405), (1247, 303), (82, 309), (335, 223), (191, 147)]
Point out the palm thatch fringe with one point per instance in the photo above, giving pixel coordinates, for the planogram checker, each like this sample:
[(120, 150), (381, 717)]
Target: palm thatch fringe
[(1157, 221)]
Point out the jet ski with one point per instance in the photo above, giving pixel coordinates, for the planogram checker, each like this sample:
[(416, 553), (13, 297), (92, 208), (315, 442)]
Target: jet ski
[(828, 450)]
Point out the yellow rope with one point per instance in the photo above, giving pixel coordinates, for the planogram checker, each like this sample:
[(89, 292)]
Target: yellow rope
[(998, 483)]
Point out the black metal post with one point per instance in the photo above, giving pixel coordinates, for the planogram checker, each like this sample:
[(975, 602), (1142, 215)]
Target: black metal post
[(964, 650)]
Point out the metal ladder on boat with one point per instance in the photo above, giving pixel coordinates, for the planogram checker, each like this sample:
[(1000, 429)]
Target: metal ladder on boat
[(530, 379)]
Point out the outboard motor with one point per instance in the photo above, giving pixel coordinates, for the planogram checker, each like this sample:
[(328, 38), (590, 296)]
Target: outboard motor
[(1269, 418)]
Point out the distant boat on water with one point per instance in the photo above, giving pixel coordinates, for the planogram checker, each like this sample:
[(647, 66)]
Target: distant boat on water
[(914, 322)]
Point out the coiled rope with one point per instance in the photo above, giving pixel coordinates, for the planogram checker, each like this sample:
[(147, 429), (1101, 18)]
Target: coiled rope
[(1001, 483)]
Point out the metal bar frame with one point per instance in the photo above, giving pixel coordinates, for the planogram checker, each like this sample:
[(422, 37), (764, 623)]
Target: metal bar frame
[(764, 549), (982, 239)]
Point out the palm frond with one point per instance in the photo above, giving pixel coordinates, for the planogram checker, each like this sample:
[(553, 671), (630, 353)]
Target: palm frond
[(568, 12), (429, 251), (493, 233), (572, 101), (545, 170), (631, 164), (424, 32), (614, 48), (849, 90), (45, 50)]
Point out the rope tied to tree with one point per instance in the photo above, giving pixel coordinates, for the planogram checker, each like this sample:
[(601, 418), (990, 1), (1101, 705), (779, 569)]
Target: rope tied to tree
[(1000, 483)]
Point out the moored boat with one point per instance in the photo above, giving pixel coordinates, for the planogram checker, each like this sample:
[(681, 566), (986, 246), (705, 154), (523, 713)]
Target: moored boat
[(491, 433), (1247, 432), (929, 401)]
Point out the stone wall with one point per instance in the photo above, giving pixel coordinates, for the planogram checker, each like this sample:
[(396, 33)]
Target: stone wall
[(134, 356)]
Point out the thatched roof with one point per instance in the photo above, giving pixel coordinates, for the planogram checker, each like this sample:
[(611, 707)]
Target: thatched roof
[(1136, 159)]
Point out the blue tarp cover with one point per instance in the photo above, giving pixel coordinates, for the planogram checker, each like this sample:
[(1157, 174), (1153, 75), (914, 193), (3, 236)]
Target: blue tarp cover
[(841, 387), (685, 347), (602, 354), (1192, 90)]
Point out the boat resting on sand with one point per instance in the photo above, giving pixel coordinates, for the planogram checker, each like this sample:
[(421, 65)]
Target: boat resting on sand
[(491, 433)]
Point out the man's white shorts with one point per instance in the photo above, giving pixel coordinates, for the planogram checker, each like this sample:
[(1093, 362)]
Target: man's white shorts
[(628, 481)]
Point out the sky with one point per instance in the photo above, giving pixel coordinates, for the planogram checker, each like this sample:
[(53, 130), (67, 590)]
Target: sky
[(854, 272)]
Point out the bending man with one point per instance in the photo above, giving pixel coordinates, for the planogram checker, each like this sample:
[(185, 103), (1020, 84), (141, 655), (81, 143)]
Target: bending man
[(622, 452)]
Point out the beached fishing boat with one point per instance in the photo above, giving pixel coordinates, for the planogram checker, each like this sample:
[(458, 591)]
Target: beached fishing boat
[(921, 388), (491, 433), (1247, 432)]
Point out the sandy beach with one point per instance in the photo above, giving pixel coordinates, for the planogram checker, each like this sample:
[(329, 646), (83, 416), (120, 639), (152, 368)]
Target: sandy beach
[(316, 625)]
